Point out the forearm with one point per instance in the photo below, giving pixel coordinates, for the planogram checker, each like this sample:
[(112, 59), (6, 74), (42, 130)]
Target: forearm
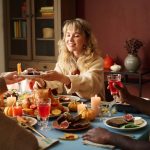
[(139, 103), (126, 143)]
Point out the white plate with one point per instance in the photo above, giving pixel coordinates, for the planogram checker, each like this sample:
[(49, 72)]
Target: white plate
[(125, 129), (31, 121), (70, 97)]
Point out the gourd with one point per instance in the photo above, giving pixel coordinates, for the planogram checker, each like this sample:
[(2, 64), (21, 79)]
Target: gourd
[(88, 114), (108, 62), (73, 106), (8, 111)]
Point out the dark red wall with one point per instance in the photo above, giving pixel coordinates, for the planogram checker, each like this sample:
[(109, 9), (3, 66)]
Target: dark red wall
[(115, 21)]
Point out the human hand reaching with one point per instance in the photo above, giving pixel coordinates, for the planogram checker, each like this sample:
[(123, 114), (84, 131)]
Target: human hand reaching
[(12, 77), (98, 135)]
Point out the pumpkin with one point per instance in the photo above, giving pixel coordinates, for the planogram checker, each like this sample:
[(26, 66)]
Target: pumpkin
[(73, 105), (88, 114), (8, 111), (108, 62)]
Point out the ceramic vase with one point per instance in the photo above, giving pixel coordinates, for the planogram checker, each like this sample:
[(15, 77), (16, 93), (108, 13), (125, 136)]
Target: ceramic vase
[(132, 63)]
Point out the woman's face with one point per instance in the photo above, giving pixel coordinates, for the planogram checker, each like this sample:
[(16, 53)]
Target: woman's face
[(75, 41)]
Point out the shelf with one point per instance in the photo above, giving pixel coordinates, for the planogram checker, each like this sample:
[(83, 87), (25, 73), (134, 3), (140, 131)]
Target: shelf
[(43, 18), (44, 39)]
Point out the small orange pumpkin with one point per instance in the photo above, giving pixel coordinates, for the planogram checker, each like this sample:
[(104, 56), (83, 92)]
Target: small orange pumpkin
[(73, 106), (88, 114), (8, 111)]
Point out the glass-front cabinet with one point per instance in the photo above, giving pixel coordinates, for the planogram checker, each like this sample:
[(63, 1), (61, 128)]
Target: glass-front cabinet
[(32, 30)]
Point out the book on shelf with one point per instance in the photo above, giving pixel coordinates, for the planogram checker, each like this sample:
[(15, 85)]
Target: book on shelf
[(20, 29)]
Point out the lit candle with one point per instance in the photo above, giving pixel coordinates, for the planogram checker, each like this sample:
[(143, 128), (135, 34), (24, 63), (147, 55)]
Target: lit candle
[(95, 104), (81, 107), (11, 101)]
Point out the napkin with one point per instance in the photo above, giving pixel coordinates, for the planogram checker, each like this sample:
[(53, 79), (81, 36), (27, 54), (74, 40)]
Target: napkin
[(98, 145), (44, 143)]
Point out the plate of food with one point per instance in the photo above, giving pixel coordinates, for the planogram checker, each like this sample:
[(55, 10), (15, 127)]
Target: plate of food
[(26, 121), (65, 99), (69, 122), (125, 123), (79, 126), (31, 73)]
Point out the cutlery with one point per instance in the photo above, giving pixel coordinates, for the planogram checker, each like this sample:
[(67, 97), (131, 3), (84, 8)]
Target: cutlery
[(30, 127)]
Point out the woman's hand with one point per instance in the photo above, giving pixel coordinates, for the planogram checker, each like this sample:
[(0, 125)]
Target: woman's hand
[(53, 75), (98, 135)]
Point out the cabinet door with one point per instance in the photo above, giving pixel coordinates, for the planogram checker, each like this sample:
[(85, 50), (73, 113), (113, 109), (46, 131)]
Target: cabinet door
[(19, 32), (44, 29)]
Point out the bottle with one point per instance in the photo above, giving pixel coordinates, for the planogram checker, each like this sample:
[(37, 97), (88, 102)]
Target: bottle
[(23, 9)]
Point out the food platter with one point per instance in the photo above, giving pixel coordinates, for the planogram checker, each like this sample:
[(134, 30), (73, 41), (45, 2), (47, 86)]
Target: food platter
[(123, 128), (65, 99), (56, 126), (30, 121)]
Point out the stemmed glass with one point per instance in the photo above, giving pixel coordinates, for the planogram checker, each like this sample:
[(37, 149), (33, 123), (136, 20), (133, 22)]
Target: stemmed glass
[(106, 110), (44, 108), (112, 80)]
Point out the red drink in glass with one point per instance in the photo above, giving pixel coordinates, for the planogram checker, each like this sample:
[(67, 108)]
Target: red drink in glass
[(114, 79), (44, 110)]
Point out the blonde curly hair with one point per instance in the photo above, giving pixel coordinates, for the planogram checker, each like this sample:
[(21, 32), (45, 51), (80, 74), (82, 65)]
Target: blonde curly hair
[(66, 59)]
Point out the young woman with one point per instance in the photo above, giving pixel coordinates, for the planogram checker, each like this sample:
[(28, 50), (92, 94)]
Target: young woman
[(79, 68)]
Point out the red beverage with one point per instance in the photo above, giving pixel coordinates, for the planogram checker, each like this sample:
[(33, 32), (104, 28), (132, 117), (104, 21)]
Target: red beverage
[(113, 90), (17, 111), (112, 80), (44, 110)]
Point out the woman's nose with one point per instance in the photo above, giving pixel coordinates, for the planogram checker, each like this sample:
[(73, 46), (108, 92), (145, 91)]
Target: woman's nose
[(71, 38)]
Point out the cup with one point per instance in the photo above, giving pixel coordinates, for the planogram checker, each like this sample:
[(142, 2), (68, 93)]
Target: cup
[(48, 33), (44, 108), (114, 79), (106, 110)]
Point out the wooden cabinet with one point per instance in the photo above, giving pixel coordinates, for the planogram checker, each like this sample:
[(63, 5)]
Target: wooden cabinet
[(32, 31)]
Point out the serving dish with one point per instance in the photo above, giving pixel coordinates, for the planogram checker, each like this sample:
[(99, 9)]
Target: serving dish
[(57, 126)]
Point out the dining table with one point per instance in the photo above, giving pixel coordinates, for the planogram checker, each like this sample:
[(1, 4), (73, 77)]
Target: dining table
[(139, 134)]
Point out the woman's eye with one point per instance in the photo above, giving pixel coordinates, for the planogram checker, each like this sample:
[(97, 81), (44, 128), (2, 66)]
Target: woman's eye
[(76, 35), (67, 35)]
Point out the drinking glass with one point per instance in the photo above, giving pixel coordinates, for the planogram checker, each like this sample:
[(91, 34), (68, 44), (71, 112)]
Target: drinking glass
[(112, 80), (106, 110), (44, 108)]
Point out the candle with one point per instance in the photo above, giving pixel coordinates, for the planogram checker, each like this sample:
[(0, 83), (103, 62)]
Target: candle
[(19, 69), (95, 104), (11, 101), (81, 107)]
